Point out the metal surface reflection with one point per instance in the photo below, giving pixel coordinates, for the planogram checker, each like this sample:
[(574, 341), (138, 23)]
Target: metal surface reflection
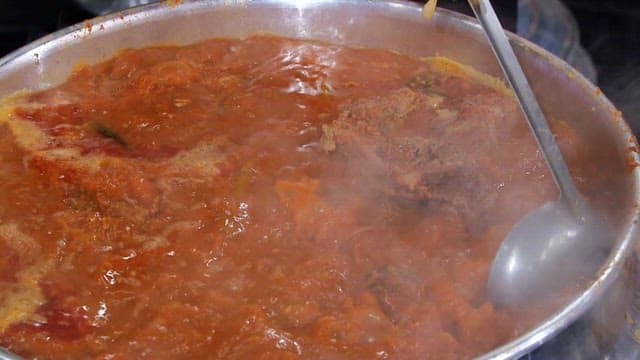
[(545, 258)]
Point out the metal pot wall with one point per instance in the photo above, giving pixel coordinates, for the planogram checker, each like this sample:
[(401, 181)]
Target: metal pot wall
[(597, 314)]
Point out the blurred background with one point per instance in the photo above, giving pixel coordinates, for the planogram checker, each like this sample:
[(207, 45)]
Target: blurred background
[(600, 38)]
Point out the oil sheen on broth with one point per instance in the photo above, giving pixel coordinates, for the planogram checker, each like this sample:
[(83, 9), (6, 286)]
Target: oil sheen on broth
[(263, 198)]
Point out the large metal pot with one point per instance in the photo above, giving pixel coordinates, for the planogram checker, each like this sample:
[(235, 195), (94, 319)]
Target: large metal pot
[(596, 314)]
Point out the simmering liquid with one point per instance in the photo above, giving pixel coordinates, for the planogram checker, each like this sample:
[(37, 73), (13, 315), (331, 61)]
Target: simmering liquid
[(263, 198)]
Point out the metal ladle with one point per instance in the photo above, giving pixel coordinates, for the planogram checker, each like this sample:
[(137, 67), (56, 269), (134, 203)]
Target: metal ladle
[(559, 243)]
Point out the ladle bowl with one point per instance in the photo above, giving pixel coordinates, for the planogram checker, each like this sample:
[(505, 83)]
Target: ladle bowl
[(559, 243)]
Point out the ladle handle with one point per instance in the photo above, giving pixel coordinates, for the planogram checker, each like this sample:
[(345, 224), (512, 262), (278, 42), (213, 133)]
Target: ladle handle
[(527, 100)]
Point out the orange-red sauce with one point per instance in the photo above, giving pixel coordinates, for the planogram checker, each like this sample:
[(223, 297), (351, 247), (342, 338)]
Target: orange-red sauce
[(261, 198)]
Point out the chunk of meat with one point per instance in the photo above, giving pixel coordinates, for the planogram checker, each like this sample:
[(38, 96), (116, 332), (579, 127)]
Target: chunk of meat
[(396, 289), (407, 145)]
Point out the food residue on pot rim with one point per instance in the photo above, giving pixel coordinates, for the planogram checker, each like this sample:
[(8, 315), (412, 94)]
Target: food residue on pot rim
[(429, 9)]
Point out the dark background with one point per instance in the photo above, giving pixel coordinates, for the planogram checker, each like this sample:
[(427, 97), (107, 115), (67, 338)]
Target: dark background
[(609, 30)]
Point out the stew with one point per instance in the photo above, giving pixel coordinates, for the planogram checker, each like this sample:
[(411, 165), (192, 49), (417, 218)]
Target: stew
[(264, 198)]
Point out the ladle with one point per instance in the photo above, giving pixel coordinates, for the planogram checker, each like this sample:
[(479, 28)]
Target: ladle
[(559, 243)]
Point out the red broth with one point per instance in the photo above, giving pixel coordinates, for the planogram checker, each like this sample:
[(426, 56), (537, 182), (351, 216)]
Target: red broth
[(263, 198)]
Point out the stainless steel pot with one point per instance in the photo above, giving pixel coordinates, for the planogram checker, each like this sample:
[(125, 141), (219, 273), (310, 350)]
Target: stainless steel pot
[(596, 314)]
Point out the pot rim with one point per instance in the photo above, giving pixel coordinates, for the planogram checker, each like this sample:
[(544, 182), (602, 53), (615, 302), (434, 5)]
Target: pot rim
[(625, 242)]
